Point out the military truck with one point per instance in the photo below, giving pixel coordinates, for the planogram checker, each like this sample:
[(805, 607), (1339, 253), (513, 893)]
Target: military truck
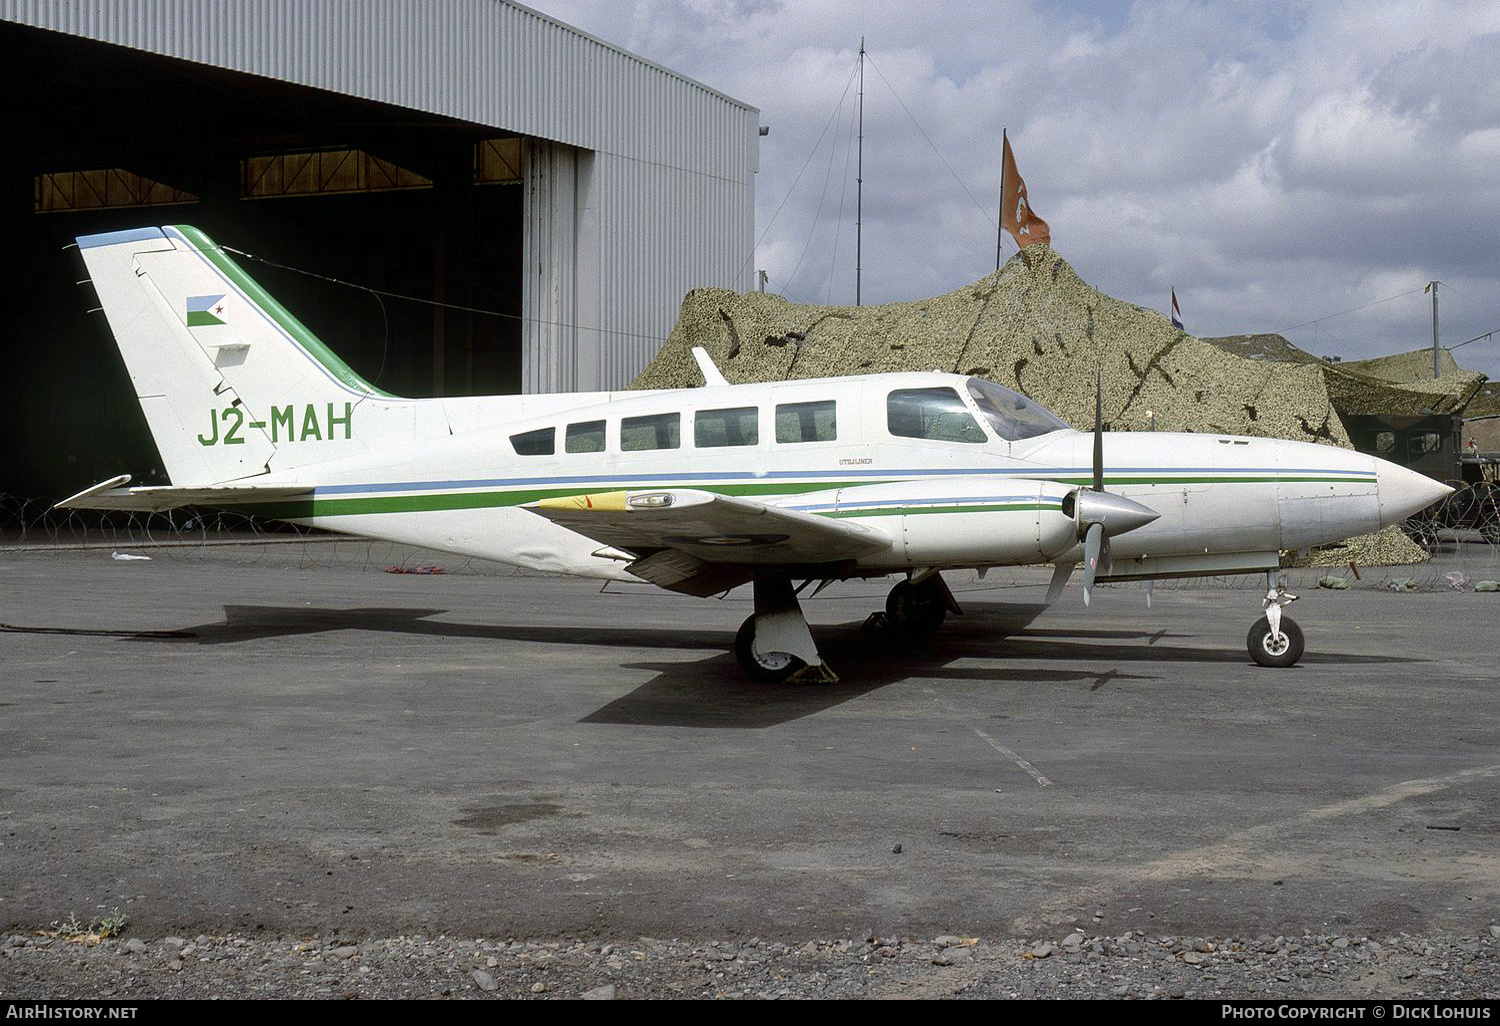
[(1434, 445)]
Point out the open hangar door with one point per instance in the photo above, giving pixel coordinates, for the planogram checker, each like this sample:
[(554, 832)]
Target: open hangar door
[(324, 185)]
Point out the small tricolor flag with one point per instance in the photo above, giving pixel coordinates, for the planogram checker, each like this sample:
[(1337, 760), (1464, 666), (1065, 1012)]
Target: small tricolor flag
[(1176, 311), (203, 311)]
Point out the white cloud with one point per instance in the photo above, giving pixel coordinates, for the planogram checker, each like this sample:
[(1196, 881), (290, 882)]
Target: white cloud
[(1275, 162), (1481, 148)]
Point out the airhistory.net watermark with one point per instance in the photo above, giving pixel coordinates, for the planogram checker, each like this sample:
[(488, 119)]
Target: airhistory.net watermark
[(43, 1010)]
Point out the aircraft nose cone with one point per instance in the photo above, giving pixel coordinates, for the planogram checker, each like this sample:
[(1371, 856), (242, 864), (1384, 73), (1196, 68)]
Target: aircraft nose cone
[(1404, 492), (1117, 513)]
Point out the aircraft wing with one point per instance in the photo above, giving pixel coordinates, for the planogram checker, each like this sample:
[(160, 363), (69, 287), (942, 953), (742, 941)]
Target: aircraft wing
[(702, 542), (155, 498)]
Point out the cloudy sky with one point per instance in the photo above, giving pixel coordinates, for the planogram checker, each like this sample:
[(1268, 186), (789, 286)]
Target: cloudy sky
[(1279, 163)]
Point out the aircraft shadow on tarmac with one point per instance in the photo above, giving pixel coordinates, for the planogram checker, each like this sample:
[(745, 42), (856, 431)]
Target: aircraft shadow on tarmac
[(711, 692), (256, 623), (714, 693)]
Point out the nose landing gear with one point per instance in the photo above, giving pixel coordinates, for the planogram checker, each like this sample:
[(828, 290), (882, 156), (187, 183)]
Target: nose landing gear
[(1275, 639)]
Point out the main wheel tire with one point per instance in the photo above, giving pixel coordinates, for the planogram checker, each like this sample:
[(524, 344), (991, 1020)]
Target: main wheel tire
[(1269, 651), (916, 609), (770, 668)]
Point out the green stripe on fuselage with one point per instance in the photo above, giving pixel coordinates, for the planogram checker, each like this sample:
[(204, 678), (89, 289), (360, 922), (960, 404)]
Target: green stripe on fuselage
[(302, 509), (480, 500), (1259, 479), (911, 511), (430, 502)]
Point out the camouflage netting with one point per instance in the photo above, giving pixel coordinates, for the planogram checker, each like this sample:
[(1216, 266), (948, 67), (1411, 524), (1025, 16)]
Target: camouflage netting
[(1387, 547), (1353, 392), (1035, 326), (1405, 367), (1486, 402), (1399, 385), (1268, 346)]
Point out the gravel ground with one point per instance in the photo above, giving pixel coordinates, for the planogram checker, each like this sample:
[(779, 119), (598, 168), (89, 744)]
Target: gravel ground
[(1135, 965)]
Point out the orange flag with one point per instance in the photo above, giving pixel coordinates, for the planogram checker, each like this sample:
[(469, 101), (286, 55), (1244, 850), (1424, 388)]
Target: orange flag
[(1016, 215)]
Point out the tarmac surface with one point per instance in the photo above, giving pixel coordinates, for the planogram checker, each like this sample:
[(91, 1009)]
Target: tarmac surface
[(285, 739)]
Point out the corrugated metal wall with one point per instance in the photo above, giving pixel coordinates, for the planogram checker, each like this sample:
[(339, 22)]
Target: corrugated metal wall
[(669, 189)]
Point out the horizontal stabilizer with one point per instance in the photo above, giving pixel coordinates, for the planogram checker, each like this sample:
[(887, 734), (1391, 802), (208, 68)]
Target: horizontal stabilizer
[(112, 494)]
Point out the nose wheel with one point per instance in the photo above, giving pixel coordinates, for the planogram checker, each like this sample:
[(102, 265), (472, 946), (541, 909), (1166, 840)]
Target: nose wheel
[(1275, 639), (1275, 648)]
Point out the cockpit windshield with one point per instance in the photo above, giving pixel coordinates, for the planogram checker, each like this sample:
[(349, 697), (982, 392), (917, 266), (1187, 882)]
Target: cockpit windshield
[(1011, 414)]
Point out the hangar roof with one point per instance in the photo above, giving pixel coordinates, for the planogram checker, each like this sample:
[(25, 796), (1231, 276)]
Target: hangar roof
[(490, 63)]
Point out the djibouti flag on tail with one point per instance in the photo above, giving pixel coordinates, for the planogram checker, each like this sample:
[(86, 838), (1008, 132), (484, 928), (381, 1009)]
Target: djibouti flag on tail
[(203, 311)]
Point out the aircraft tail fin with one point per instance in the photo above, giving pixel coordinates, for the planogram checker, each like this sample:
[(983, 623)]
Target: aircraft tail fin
[(232, 385)]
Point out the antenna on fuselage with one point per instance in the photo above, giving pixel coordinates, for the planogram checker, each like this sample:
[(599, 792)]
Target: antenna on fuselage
[(706, 366)]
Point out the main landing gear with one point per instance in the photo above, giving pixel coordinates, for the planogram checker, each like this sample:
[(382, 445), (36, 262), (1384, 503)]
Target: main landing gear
[(919, 605), (1275, 639), (774, 644)]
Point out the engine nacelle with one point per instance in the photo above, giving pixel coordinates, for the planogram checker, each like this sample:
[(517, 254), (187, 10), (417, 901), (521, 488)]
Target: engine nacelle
[(957, 521)]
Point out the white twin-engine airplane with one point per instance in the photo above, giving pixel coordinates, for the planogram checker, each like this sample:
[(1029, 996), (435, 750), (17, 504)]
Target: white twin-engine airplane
[(701, 490)]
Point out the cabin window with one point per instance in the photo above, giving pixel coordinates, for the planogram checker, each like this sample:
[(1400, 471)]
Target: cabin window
[(1385, 441), (585, 437), (932, 413), (541, 442), (716, 429), (658, 431), (807, 422)]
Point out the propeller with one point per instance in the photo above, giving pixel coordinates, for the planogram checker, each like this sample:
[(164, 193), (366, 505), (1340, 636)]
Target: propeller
[(1100, 514), (1099, 430), (1094, 546)]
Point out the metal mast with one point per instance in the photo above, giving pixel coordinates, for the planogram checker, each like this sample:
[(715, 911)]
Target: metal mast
[(859, 177), (1435, 371), (1000, 232)]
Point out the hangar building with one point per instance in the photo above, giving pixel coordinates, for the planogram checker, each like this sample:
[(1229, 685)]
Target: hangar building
[(556, 194)]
